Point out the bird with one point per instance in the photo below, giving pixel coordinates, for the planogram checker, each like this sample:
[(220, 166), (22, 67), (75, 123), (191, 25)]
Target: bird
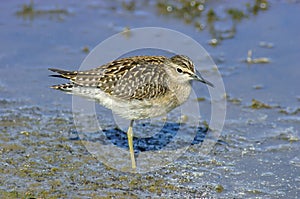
[(135, 88)]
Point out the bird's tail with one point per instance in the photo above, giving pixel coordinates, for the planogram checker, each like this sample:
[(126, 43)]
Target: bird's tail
[(64, 73)]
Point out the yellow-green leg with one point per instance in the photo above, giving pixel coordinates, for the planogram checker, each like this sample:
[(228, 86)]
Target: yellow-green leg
[(130, 144)]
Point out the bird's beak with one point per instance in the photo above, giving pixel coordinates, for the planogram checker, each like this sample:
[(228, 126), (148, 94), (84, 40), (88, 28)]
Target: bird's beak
[(201, 79)]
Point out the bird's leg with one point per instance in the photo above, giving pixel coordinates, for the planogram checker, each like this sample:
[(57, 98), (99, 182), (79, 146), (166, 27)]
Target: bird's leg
[(130, 144)]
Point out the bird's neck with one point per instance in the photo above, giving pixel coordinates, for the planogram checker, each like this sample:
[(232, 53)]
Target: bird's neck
[(181, 91)]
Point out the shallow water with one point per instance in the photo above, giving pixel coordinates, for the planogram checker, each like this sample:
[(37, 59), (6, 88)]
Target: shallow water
[(256, 155)]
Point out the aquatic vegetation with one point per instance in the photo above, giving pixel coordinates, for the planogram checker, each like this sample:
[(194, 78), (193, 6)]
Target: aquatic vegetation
[(259, 105), (29, 11), (236, 14), (86, 49), (202, 14), (234, 100), (258, 5)]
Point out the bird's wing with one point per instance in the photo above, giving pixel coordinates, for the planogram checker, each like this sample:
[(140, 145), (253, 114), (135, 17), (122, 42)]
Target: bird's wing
[(141, 77)]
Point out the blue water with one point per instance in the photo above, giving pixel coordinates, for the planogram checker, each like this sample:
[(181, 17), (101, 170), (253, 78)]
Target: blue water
[(256, 155)]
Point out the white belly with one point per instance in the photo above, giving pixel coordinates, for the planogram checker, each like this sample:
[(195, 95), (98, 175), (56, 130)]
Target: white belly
[(135, 109)]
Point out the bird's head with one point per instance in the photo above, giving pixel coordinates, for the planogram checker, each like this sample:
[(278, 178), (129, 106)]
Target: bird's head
[(182, 69)]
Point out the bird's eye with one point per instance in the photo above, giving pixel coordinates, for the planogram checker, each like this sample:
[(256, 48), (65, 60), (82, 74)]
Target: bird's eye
[(179, 70)]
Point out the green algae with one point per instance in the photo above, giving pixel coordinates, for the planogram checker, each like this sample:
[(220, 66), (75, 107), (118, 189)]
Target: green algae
[(255, 104), (29, 11), (236, 14), (204, 16)]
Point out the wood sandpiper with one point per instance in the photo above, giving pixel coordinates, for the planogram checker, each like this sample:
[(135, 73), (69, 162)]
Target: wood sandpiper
[(135, 88)]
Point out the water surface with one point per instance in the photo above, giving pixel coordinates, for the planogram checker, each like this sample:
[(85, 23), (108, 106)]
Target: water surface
[(257, 153)]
